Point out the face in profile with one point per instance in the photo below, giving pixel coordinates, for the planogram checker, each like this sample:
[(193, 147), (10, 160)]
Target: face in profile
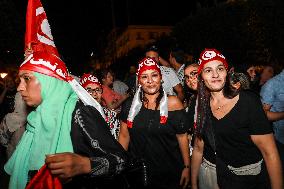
[(214, 75), (150, 81), (267, 73), (29, 88), (95, 91), (190, 76)]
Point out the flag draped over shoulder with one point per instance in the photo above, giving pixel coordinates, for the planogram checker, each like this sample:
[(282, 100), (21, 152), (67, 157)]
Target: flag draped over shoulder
[(38, 33)]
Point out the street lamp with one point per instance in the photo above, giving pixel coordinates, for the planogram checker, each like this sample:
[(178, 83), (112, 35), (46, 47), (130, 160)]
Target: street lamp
[(3, 75)]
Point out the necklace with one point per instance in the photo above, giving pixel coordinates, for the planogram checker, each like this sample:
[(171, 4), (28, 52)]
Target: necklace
[(221, 106)]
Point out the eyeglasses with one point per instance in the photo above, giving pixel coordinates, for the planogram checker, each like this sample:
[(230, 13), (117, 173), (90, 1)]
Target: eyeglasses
[(192, 74), (96, 90)]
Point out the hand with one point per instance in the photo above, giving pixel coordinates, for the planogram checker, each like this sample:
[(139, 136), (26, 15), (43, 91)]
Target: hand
[(185, 176), (67, 165), (125, 96), (28, 52)]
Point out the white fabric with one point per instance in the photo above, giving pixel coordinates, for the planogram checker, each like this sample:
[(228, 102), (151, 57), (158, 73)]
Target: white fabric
[(170, 79), (137, 104), (120, 87), (180, 74), (207, 176), (86, 98), (17, 118)]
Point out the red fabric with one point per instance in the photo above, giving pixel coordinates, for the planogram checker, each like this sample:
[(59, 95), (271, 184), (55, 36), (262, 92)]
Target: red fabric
[(47, 64), (163, 119), (87, 79), (129, 124), (44, 58), (38, 33), (147, 64), (44, 180), (209, 55)]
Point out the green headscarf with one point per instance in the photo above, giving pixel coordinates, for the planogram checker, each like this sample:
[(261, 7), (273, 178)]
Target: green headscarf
[(47, 131)]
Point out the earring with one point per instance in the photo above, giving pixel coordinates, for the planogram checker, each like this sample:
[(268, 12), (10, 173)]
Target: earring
[(162, 81)]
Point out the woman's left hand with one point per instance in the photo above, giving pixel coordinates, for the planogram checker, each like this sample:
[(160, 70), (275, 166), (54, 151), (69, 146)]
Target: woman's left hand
[(185, 177)]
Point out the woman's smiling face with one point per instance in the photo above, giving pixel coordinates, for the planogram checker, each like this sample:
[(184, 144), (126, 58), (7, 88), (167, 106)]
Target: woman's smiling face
[(150, 81)]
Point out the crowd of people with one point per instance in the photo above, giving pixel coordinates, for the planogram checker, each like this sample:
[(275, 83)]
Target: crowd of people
[(173, 124)]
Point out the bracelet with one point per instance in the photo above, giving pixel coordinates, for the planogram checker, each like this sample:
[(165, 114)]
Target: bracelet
[(186, 166)]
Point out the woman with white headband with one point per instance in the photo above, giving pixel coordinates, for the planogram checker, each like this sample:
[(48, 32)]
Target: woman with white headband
[(154, 129), (233, 136)]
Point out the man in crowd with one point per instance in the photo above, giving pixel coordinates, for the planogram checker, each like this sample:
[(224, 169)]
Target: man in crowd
[(177, 61), (272, 97)]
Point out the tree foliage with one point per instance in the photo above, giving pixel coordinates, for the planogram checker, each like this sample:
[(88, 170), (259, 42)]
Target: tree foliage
[(244, 30)]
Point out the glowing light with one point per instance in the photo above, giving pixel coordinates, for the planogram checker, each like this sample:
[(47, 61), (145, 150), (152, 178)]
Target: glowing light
[(3, 75)]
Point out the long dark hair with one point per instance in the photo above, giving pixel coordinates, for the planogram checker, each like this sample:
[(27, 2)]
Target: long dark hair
[(203, 108), (204, 115)]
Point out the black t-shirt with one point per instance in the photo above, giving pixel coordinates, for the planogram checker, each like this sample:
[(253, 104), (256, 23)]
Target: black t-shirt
[(232, 132), (157, 144)]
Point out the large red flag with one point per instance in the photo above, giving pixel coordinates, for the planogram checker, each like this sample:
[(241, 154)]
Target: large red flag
[(38, 34)]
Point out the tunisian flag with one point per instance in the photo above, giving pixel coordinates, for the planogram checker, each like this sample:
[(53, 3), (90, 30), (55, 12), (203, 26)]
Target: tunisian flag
[(38, 34)]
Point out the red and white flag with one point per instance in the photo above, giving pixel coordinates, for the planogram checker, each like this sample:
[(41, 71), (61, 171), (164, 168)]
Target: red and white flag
[(38, 34)]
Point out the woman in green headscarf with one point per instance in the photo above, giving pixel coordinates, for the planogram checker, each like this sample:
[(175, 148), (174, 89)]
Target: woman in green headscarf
[(48, 125), (44, 85)]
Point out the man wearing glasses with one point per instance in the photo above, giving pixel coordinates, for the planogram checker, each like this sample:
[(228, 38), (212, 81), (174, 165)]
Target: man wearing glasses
[(94, 88)]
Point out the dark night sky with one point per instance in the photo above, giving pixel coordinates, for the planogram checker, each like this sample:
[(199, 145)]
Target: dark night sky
[(78, 27)]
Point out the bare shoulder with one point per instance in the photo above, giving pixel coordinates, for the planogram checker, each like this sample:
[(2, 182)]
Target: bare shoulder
[(174, 103)]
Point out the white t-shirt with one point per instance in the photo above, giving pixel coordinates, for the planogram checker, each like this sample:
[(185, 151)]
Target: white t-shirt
[(170, 79), (120, 87), (180, 74)]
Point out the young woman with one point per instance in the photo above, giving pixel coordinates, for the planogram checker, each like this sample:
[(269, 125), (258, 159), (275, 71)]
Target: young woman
[(190, 81), (154, 129), (233, 127), (59, 125)]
